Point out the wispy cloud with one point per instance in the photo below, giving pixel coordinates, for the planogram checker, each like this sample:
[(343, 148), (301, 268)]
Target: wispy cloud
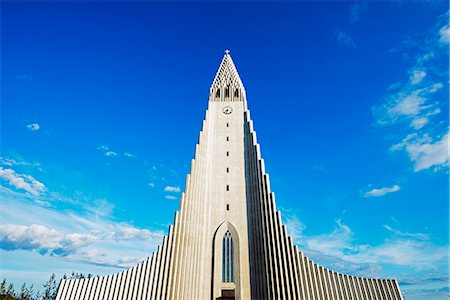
[(49, 241), (107, 151), (172, 189), (170, 197), (444, 34), (425, 152), (420, 236), (417, 76), (82, 235), (400, 249), (294, 226), (408, 105), (22, 181), (103, 148), (17, 161), (356, 10), (414, 106), (33, 126), (110, 153), (344, 39), (381, 191), (129, 155), (151, 184), (42, 239)]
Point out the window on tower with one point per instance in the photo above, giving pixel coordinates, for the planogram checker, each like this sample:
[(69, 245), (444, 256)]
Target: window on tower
[(236, 93), (218, 93), (227, 92), (227, 258)]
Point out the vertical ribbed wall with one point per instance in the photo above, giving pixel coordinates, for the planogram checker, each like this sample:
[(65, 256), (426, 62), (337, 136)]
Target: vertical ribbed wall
[(182, 267), (278, 269)]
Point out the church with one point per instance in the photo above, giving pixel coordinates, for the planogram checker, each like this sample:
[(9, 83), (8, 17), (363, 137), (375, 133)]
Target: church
[(228, 241)]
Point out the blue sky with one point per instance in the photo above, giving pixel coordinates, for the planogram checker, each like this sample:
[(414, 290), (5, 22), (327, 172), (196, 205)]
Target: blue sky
[(102, 103)]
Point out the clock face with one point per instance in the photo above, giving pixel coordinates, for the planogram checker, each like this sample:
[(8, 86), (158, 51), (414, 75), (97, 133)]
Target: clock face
[(227, 110)]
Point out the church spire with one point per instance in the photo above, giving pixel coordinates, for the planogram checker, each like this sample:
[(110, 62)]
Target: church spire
[(227, 85)]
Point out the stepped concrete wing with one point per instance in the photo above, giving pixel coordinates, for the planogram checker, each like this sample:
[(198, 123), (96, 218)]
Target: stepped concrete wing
[(228, 240)]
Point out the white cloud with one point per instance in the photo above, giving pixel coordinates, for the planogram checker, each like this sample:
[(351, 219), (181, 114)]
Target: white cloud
[(75, 246), (73, 231), (401, 249), (444, 34), (33, 126), (295, 227), (414, 107), (110, 153), (103, 148), (43, 202), (417, 76), (128, 232), (172, 189), (424, 152), (107, 150), (7, 161), (382, 191), (419, 122), (420, 236), (344, 39), (50, 241), (407, 104), (129, 155), (34, 237), (42, 239), (22, 181), (78, 240), (151, 184), (170, 197)]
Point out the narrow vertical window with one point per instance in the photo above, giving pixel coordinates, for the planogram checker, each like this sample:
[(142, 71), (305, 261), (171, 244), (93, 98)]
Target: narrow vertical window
[(228, 170), (236, 93), (228, 124), (228, 206), (228, 153), (218, 93), (228, 187), (228, 138), (227, 258)]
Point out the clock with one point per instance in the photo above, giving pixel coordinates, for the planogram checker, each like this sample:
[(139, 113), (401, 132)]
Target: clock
[(227, 110)]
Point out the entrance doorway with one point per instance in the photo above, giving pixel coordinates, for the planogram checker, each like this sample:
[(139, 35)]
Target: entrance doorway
[(227, 295)]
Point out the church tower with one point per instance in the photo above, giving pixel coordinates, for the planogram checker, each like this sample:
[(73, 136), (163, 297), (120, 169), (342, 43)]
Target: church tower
[(228, 241)]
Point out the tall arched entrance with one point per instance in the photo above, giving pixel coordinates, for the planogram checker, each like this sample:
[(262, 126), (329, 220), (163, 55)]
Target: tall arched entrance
[(226, 269)]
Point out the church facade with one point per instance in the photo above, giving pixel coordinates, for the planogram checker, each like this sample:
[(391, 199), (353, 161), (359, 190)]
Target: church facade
[(228, 240)]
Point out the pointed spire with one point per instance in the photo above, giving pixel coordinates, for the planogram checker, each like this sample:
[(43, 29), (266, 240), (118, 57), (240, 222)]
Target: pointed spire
[(227, 85)]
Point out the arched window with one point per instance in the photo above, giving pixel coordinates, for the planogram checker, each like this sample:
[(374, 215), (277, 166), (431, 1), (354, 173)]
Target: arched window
[(236, 93), (227, 92), (218, 93), (227, 258)]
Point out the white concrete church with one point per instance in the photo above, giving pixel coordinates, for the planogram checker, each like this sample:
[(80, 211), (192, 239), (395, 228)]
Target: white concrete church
[(228, 241)]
